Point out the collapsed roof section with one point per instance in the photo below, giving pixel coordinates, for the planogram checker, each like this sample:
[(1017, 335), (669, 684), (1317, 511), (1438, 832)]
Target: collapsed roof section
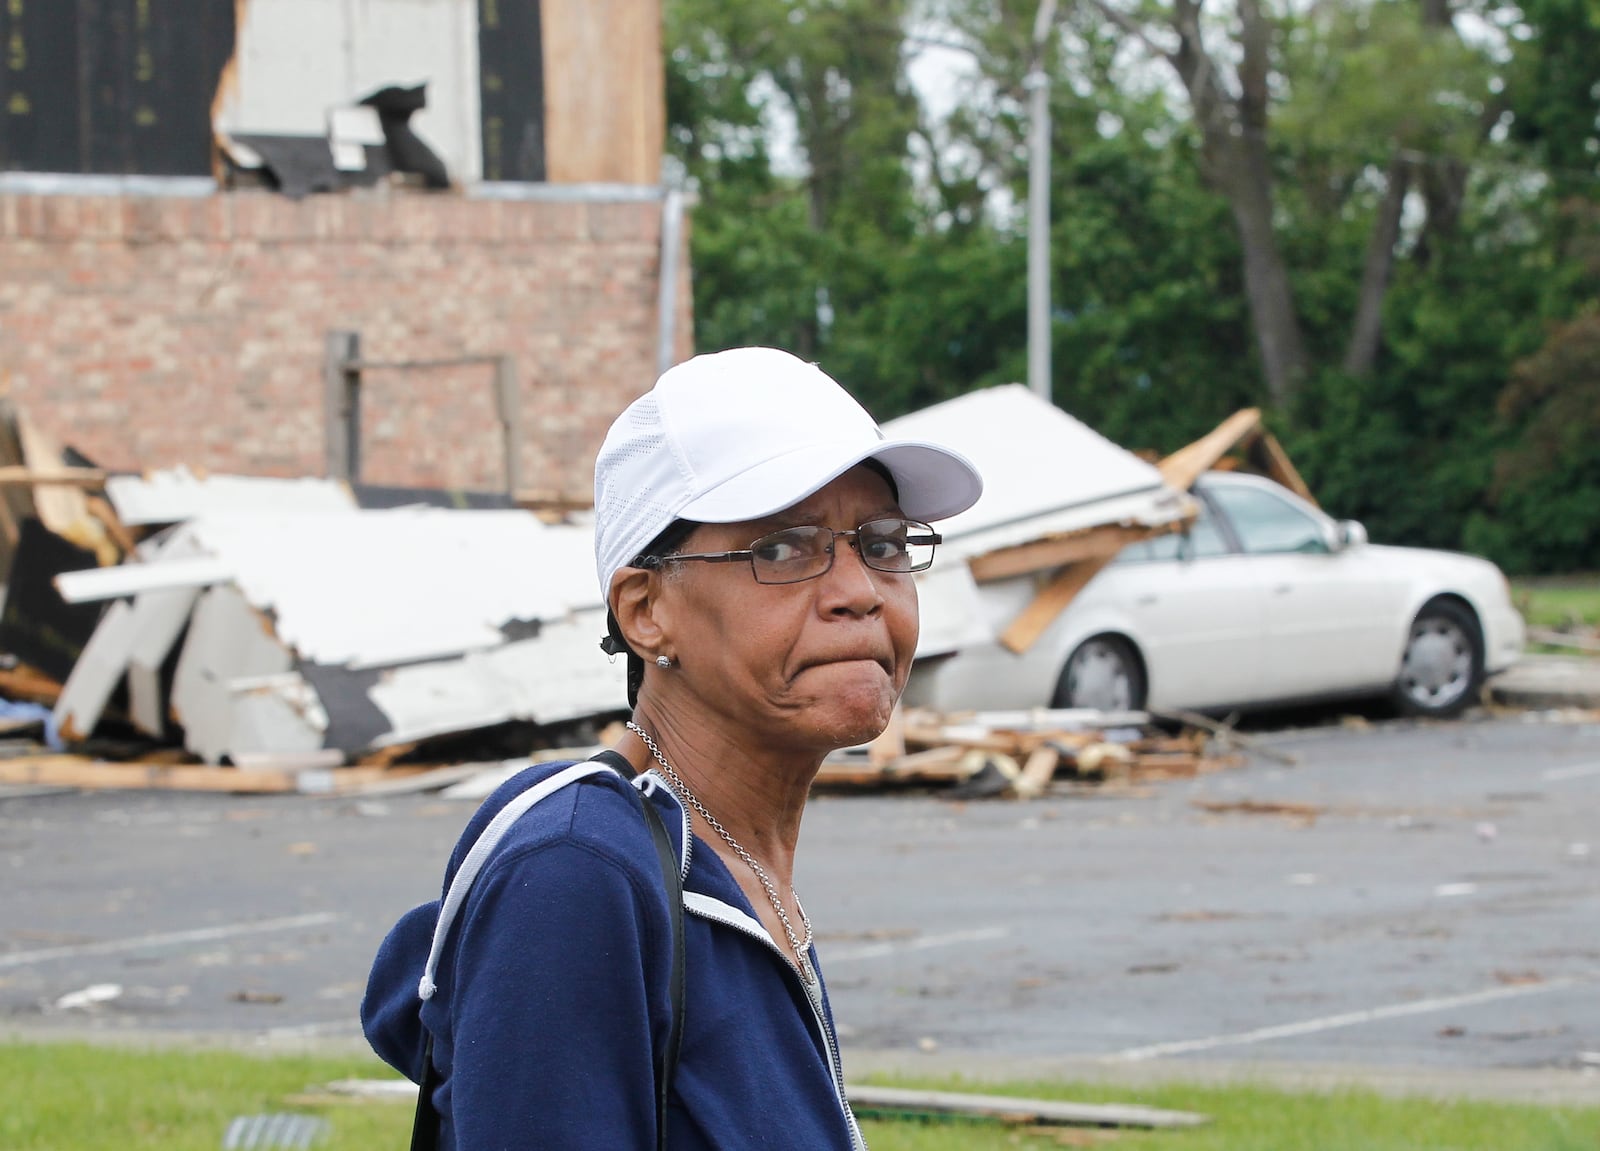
[(1056, 495), (326, 626)]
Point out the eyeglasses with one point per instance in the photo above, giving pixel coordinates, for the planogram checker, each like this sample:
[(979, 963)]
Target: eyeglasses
[(802, 553)]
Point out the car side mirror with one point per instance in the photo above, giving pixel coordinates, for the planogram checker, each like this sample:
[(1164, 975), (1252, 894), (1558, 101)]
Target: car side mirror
[(1352, 534)]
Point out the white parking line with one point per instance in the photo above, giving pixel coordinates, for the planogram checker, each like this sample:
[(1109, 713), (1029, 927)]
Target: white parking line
[(163, 939), (1349, 1019), (923, 943), (1576, 771)]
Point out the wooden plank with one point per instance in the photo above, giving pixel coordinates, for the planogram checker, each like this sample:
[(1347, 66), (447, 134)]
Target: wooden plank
[(64, 510), (1192, 461), (1007, 1109), (605, 106), (24, 682), (1056, 552), (1037, 772), (1276, 463), (100, 508), (93, 775), (23, 476), (891, 742), (1032, 622)]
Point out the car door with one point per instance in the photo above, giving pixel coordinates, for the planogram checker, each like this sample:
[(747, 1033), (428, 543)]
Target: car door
[(1329, 612), (1190, 607)]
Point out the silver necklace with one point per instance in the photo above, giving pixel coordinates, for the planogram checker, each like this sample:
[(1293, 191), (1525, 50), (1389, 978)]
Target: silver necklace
[(801, 947)]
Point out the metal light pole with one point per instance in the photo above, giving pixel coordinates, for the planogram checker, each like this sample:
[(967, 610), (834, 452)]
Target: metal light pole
[(1038, 85)]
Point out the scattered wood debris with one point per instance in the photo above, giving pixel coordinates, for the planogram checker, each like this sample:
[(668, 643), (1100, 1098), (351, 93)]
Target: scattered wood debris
[(1021, 754), (261, 635), (1301, 813)]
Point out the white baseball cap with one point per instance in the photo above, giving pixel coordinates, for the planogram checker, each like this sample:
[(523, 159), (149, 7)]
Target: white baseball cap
[(741, 434)]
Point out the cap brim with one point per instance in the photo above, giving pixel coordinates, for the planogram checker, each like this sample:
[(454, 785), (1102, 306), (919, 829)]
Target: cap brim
[(933, 481)]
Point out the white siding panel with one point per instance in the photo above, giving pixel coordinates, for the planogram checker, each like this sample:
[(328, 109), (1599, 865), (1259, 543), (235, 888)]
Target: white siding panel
[(299, 59)]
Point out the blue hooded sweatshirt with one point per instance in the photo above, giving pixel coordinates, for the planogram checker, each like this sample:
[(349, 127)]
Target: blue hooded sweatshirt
[(550, 1002)]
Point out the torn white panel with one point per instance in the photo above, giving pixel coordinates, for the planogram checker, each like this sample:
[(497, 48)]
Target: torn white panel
[(396, 586), (228, 640), (279, 717), (351, 131), (566, 675), (560, 674), (952, 612), (297, 59), (1043, 471), (96, 674), (128, 579), (160, 617), (176, 494)]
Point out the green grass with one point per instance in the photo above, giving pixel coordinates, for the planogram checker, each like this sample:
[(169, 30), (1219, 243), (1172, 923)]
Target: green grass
[(1559, 604), (73, 1097)]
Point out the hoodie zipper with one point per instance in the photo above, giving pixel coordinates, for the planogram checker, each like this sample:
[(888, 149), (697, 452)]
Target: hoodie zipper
[(814, 998), (813, 990)]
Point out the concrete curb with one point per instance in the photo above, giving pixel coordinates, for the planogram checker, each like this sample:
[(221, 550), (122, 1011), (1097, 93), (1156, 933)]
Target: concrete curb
[(1549, 681)]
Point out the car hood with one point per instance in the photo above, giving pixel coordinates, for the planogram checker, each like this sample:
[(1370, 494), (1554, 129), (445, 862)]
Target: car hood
[(1450, 567)]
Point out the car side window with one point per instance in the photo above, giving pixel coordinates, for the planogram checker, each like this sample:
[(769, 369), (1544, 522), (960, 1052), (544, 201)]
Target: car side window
[(1203, 540), (1265, 524)]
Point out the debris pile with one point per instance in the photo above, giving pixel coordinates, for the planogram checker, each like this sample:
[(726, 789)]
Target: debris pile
[(287, 626), (1020, 754), (258, 634)]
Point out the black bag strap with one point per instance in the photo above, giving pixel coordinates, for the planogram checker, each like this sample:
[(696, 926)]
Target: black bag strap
[(668, 1066), (425, 1126)]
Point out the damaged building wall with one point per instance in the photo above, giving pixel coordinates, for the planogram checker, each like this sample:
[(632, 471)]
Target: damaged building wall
[(296, 59), (151, 331)]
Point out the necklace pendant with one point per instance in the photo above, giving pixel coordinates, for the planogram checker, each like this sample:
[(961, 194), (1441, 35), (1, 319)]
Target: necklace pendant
[(807, 972)]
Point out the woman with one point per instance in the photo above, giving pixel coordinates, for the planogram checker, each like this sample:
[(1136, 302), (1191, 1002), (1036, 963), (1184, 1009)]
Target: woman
[(756, 536)]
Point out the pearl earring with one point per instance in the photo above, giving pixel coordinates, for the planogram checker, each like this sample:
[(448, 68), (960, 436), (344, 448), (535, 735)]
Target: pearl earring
[(663, 661)]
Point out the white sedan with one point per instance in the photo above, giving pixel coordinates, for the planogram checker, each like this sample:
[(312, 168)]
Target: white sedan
[(1263, 601)]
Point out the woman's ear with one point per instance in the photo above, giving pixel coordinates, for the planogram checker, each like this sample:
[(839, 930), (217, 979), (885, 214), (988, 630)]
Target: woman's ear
[(633, 598)]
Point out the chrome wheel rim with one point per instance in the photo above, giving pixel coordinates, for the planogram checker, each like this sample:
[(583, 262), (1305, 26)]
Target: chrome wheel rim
[(1098, 676), (1436, 670)]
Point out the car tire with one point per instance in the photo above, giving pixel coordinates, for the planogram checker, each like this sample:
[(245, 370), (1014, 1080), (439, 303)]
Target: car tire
[(1103, 672), (1441, 667)]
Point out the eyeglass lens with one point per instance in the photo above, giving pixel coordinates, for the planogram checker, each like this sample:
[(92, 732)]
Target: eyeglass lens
[(799, 553)]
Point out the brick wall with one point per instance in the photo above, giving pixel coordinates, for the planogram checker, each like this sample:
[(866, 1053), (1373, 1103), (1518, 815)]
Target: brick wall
[(150, 331)]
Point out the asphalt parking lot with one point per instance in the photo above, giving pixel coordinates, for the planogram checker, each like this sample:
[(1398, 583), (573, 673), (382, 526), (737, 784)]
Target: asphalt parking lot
[(1428, 898)]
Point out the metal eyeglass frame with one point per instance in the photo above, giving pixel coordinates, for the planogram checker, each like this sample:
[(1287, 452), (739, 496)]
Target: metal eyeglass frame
[(928, 538)]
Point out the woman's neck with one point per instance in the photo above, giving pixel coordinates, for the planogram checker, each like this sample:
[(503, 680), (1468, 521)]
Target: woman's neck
[(756, 794)]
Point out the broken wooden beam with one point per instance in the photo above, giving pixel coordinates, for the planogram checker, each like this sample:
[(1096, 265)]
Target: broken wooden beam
[(96, 775), (1058, 551), (1194, 460), (1035, 619), (20, 475), (1006, 1109)]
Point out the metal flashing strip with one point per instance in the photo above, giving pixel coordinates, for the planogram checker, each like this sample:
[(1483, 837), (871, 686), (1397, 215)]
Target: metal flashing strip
[(79, 184), (567, 193)]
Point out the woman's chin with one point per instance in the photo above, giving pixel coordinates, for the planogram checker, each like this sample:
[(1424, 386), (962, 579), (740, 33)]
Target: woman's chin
[(857, 710)]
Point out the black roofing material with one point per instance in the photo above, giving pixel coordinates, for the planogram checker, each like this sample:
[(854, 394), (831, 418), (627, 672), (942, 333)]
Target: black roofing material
[(111, 87), (38, 627), (511, 90), (407, 151), (298, 166)]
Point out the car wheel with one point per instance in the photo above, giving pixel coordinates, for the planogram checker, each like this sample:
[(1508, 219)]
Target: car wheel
[(1102, 672), (1442, 664)]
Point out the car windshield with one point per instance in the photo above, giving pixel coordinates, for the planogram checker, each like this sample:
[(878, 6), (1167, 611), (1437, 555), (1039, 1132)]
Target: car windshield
[(1265, 523)]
